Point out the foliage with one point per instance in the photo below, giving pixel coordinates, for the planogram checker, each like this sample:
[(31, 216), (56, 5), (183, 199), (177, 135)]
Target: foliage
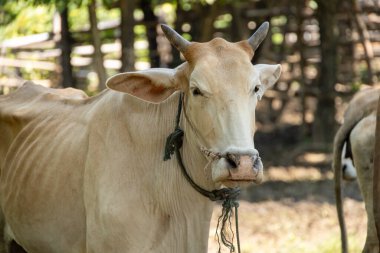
[(223, 21), (78, 16), (9, 12), (19, 19), (32, 74), (59, 4)]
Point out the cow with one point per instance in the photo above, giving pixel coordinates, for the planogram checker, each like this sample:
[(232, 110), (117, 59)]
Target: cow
[(376, 175), (88, 175), (356, 137)]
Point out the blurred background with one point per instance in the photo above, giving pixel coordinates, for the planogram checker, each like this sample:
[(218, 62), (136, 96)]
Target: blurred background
[(328, 49)]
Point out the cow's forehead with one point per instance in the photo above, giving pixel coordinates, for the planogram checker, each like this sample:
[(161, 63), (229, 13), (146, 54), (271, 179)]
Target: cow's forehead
[(219, 48), (219, 64)]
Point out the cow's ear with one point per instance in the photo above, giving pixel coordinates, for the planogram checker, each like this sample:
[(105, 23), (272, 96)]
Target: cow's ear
[(152, 85), (268, 74)]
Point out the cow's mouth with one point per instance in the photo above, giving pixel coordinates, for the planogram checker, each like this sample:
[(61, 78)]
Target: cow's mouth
[(236, 183), (255, 177)]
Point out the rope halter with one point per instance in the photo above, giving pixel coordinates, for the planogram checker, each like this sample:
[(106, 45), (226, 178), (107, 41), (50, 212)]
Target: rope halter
[(228, 195)]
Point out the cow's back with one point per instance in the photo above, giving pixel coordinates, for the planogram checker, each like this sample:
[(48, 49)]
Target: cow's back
[(362, 104), (43, 145)]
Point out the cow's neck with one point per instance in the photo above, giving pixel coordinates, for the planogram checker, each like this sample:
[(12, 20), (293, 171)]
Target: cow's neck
[(198, 206), (196, 210), (173, 203), (196, 165)]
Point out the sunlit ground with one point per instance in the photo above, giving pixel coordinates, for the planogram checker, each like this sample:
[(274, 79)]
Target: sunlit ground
[(306, 223)]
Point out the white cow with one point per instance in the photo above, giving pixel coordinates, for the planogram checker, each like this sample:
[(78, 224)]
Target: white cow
[(358, 134), (87, 175)]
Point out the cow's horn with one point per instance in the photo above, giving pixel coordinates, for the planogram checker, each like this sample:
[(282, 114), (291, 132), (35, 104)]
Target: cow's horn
[(259, 36), (177, 40)]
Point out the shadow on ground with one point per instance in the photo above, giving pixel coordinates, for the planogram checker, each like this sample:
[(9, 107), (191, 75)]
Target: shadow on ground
[(310, 190)]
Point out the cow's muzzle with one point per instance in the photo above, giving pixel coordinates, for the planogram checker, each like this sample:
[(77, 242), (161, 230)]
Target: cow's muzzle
[(235, 168), (245, 167)]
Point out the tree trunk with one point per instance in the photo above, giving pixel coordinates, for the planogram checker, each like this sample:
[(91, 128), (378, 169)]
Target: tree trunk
[(151, 23), (127, 35), (364, 40), (239, 29), (265, 47), (176, 60), (96, 42), (302, 62), (324, 122), (65, 44), (209, 14)]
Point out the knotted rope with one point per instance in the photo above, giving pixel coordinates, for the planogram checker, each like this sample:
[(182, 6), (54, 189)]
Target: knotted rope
[(228, 206), (227, 195)]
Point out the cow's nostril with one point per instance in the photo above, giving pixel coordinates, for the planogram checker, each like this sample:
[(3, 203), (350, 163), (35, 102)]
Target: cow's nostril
[(231, 163), (232, 160)]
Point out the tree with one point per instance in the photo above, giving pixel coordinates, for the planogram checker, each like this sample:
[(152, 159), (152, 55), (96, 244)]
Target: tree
[(64, 39), (364, 40), (127, 35), (96, 42), (151, 23), (65, 44), (324, 122)]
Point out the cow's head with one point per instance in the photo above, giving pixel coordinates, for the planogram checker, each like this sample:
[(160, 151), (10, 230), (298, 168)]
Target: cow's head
[(221, 89)]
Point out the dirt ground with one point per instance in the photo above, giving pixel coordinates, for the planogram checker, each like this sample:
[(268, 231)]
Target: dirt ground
[(293, 210)]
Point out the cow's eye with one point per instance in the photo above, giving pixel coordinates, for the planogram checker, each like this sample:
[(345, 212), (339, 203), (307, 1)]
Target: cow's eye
[(257, 91), (196, 92)]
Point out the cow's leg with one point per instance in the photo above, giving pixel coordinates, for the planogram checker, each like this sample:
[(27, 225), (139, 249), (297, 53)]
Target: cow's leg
[(366, 183), (10, 245), (362, 141), (3, 244)]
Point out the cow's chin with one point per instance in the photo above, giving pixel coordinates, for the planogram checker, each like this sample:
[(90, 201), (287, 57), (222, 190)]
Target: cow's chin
[(223, 174)]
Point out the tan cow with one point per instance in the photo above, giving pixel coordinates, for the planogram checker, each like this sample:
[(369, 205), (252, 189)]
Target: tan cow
[(376, 175), (358, 131), (87, 175)]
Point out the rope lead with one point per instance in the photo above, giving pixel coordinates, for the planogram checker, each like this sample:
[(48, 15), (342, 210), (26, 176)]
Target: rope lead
[(229, 206), (227, 195)]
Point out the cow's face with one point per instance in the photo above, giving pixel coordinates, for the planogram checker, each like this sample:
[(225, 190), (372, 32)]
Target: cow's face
[(221, 89), (219, 103)]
